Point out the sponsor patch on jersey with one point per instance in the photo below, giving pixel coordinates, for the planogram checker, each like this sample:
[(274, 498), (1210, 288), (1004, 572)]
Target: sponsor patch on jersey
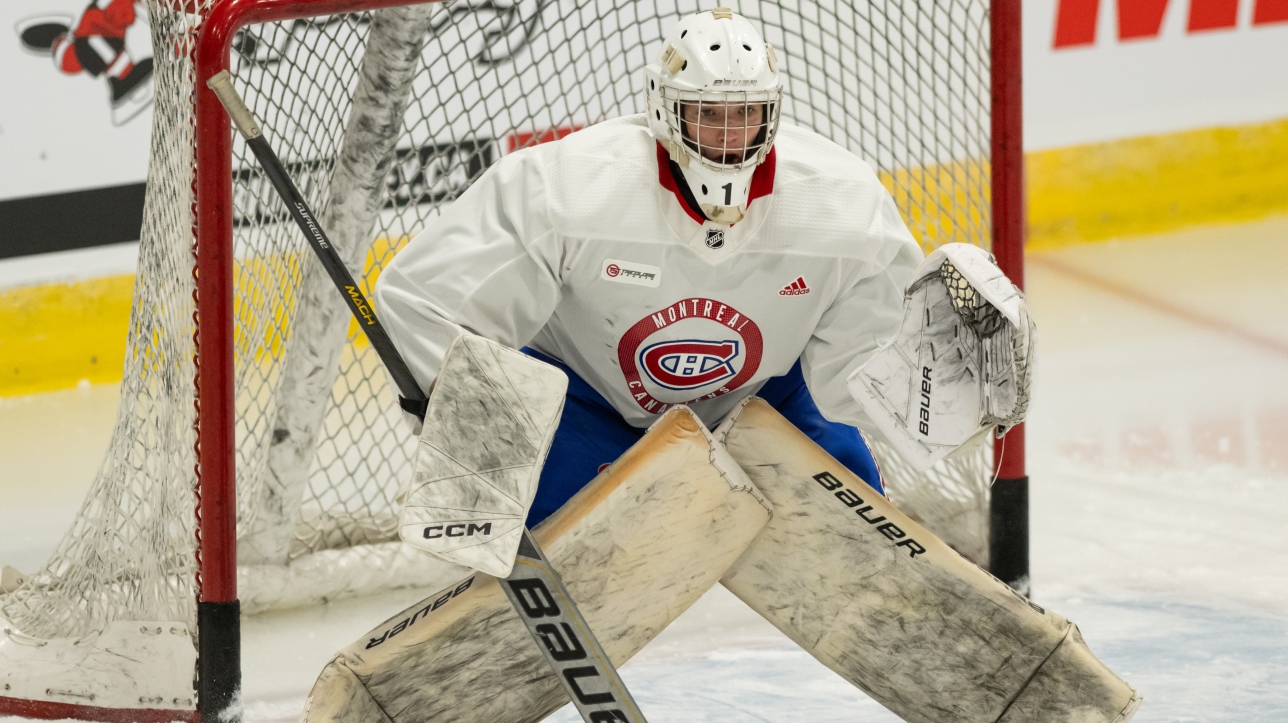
[(629, 272), (692, 350), (796, 288)]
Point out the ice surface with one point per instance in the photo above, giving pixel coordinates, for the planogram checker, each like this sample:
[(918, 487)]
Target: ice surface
[(1159, 461)]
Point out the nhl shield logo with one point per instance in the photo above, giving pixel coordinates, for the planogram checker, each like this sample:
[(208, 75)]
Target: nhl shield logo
[(715, 238), (689, 363)]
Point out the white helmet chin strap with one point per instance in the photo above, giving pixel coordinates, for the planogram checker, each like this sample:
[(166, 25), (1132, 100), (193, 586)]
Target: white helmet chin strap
[(728, 215), (723, 195)]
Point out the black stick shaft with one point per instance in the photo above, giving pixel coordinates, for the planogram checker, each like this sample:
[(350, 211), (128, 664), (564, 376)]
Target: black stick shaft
[(335, 268)]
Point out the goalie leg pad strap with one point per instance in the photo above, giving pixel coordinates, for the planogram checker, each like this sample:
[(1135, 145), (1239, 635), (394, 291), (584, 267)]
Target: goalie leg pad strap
[(343, 691), (1071, 685), (892, 609), (636, 547)]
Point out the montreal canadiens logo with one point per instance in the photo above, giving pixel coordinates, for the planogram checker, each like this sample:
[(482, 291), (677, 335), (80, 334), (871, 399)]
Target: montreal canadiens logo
[(718, 350), (689, 363)]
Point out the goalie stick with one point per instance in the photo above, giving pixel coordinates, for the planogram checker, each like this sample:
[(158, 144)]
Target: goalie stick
[(533, 587)]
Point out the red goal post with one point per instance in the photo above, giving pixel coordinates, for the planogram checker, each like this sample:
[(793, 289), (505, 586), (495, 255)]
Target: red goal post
[(1008, 557), (218, 609), (982, 202)]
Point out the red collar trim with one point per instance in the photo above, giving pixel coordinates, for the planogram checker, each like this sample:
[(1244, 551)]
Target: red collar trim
[(762, 180)]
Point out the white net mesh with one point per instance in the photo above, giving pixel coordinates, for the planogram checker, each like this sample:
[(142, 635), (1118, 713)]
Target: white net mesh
[(902, 83)]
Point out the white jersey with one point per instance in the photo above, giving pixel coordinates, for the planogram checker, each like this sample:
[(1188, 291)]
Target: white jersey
[(576, 249)]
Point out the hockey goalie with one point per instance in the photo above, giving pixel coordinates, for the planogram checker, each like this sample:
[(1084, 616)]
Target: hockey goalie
[(731, 299)]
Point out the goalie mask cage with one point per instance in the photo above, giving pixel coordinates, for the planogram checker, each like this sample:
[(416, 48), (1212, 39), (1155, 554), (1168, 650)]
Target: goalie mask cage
[(257, 426)]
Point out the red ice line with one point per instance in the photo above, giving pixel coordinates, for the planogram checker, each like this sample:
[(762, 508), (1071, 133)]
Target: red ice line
[(1221, 326)]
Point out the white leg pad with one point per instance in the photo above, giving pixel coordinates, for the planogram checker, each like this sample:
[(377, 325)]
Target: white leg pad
[(892, 609), (636, 547)]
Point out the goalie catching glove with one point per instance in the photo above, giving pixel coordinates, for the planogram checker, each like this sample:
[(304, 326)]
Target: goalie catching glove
[(960, 364)]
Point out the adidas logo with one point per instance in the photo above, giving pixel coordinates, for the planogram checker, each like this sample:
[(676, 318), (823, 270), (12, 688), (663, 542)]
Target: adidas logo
[(796, 288)]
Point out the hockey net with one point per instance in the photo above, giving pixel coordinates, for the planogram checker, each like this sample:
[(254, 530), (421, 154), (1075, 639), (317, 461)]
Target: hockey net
[(321, 449)]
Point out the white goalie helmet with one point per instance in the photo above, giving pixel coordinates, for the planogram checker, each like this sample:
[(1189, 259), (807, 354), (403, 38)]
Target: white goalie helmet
[(713, 103)]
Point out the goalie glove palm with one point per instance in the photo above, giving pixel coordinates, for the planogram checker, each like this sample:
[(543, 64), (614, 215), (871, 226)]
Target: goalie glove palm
[(960, 364)]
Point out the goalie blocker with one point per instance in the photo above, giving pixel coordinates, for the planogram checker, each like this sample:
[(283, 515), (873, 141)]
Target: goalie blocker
[(484, 440)]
